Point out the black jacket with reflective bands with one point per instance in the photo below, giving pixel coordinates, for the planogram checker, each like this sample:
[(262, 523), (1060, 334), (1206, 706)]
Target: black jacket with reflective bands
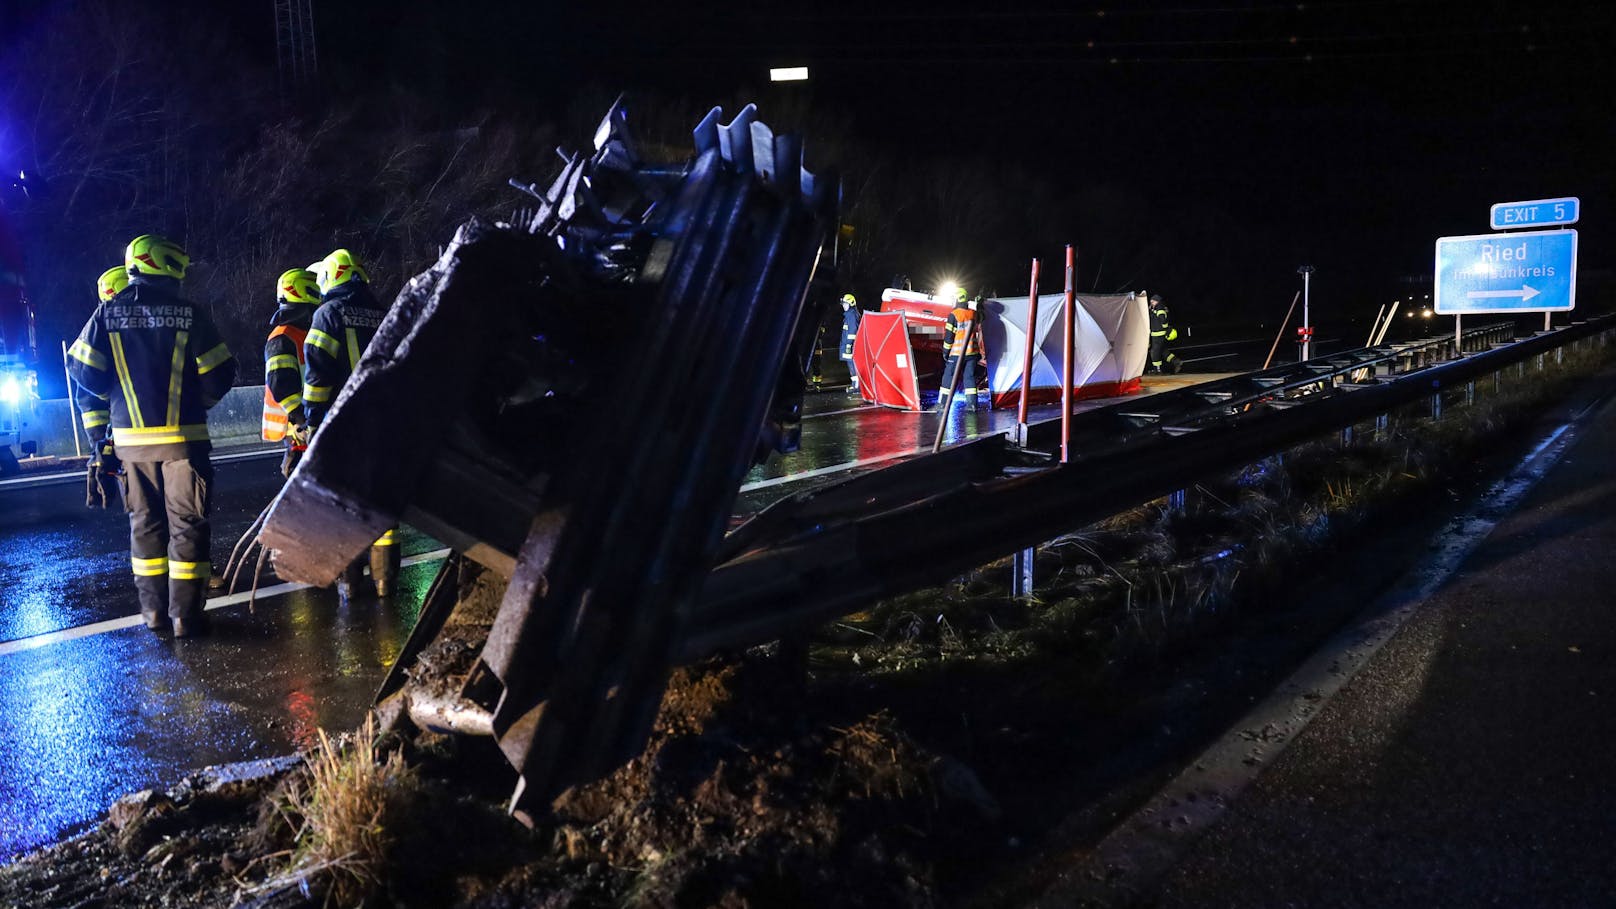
[(342, 329), (160, 361)]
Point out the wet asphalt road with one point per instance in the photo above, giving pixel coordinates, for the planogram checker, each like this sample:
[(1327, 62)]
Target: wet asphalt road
[(1469, 763), (92, 706)]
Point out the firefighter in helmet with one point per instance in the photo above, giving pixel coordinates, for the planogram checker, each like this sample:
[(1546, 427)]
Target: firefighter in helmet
[(851, 316), (101, 488), (160, 362), (963, 351), (1161, 331), (347, 319), (95, 412), (297, 295)]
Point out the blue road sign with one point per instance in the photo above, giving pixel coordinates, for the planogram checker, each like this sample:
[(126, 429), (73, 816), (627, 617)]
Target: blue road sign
[(1530, 271), (1537, 213)]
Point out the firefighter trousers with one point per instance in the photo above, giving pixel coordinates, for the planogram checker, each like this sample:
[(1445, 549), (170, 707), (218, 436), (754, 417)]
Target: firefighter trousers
[(384, 558), (169, 534), (973, 379)]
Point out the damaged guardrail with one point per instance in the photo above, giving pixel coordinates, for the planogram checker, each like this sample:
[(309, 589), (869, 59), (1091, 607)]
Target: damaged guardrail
[(543, 371)]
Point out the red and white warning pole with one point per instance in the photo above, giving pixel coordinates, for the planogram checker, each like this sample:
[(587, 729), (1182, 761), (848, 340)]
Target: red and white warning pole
[(1069, 332), (1026, 360)]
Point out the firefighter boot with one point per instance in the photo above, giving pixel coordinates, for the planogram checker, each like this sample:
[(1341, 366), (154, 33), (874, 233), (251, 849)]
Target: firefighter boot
[(188, 596), (384, 562), (348, 583), (153, 591)]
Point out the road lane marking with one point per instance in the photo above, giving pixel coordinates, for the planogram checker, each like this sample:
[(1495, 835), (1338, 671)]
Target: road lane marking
[(821, 471), (219, 602), (832, 413)]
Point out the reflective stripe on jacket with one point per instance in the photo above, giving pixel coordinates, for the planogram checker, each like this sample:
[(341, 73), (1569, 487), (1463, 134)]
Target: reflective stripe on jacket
[(342, 329), (283, 379), (160, 362)]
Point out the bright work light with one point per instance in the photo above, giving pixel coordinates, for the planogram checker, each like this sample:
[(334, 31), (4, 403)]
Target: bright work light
[(11, 391), (788, 74)]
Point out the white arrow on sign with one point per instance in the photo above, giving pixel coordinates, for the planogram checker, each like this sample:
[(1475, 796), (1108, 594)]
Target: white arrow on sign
[(1526, 292)]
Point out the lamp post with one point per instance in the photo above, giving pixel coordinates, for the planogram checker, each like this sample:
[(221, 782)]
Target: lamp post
[(1306, 271)]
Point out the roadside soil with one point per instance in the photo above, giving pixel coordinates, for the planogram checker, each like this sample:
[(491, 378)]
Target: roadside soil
[(952, 747)]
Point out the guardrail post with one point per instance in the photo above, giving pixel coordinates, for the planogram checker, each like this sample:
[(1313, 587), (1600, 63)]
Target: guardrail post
[(1176, 500), (1436, 405), (1021, 580), (1539, 362), (1470, 393), (1559, 355), (1381, 424), (1346, 436)]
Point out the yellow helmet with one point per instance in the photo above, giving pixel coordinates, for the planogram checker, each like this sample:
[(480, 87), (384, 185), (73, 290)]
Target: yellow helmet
[(959, 295), (338, 269), (297, 285), (112, 282), (149, 254), (849, 299)]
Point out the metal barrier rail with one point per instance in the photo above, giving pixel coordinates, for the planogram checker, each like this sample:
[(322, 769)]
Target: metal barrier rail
[(823, 554), (1188, 409)]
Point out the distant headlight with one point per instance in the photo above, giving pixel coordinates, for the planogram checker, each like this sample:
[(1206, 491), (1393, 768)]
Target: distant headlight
[(10, 391)]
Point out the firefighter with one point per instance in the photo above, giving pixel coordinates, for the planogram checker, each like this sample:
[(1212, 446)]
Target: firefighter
[(347, 319), (850, 324), (964, 352), (297, 295), (1161, 331), (101, 474), (160, 361)]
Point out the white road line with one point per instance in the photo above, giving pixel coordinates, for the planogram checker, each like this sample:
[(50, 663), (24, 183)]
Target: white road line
[(220, 602), (832, 413), (821, 471)]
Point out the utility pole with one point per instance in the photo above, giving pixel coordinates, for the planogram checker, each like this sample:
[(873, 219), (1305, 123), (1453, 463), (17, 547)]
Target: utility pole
[(295, 55), (1306, 331)]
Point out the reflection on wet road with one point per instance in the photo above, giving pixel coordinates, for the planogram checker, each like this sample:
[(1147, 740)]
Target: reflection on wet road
[(86, 719)]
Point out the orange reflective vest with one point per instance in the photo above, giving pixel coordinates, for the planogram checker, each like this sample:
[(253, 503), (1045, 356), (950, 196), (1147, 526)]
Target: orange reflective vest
[(276, 421), (960, 340)]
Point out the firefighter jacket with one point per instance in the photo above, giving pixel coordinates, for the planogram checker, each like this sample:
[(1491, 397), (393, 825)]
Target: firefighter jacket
[(961, 341), (342, 329), (95, 413), (1159, 327), (283, 370), (159, 360), (850, 326)]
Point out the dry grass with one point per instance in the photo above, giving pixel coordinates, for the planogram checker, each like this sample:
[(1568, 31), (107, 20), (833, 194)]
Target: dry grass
[(345, 812)]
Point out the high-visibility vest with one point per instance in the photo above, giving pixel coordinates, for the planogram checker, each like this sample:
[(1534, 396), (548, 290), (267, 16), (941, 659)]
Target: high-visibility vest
[(963, 343), (276, 421)]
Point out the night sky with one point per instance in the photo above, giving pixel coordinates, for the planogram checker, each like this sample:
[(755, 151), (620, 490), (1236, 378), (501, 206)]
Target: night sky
[(1347, 135)]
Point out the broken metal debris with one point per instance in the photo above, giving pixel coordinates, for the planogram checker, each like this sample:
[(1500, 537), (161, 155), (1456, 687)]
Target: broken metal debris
[(584, 388)]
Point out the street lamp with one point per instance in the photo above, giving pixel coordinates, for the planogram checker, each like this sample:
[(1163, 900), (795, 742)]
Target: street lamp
[(1306, 271)]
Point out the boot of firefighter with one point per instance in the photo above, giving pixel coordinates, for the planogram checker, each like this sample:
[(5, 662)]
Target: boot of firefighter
[(350, 581), (384, 562), (153, 592)]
